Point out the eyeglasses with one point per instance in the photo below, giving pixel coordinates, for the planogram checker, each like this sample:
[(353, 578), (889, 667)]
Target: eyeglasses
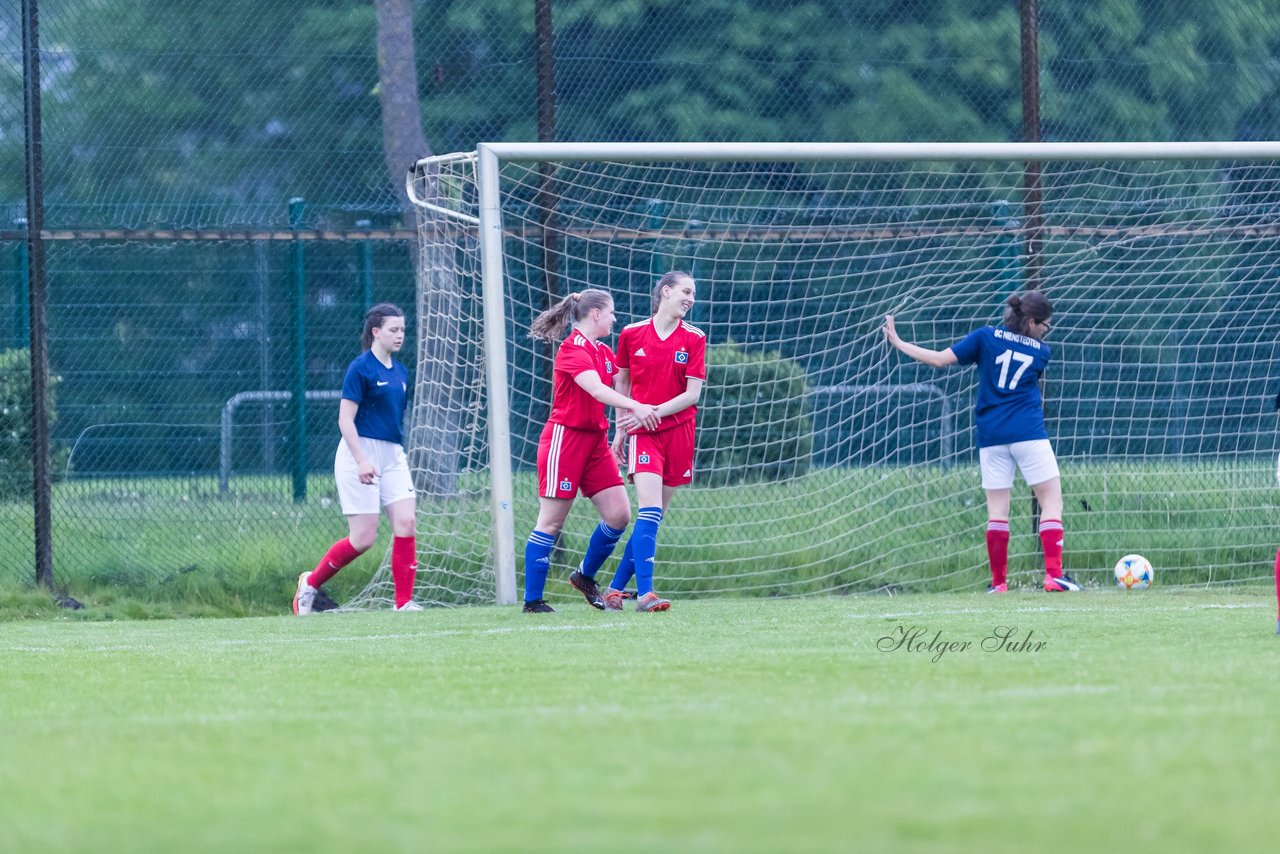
[(1045, 323)]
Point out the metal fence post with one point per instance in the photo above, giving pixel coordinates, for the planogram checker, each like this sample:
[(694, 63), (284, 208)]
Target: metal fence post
[(1008, 265), (42, 482), (655, 213), (21, 306), (690, 244), (364, 266), (298, 283)]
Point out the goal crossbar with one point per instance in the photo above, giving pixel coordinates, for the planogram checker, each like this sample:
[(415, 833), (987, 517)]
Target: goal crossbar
[(873, 151)]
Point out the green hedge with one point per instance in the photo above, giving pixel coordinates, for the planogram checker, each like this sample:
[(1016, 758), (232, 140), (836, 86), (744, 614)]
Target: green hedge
[(16, 472), (753, 419)]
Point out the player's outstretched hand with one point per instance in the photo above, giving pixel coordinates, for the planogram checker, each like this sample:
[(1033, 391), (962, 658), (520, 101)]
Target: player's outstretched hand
[(890, 331)]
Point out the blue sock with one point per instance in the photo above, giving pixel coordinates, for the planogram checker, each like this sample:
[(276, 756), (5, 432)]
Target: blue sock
[(537, 563), (626, 567), (644, 535), (599, 547)]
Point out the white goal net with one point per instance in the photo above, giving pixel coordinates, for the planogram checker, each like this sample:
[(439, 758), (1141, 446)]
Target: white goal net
[(827, 462)]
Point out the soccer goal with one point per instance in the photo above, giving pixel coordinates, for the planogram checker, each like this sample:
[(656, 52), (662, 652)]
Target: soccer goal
[(826, 462)]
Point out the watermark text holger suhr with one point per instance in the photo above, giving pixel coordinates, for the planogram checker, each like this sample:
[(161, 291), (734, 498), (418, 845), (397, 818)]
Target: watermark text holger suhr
[(919, 640)]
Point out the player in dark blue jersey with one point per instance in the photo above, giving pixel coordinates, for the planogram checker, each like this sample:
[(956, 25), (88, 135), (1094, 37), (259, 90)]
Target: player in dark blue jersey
[(370, 466), (1009, 416)]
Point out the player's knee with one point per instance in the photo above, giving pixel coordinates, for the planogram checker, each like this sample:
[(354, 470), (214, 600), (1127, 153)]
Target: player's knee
[(618, 519), (550, 527), (362, 542)]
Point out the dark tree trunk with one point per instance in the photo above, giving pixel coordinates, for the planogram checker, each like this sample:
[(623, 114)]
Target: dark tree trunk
[(436, 418)]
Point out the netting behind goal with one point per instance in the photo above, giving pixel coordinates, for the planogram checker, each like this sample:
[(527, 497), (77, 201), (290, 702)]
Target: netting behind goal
[(826, 461)]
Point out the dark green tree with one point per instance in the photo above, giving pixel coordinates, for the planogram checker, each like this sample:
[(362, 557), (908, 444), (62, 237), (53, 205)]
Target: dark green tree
[(1144, 70)]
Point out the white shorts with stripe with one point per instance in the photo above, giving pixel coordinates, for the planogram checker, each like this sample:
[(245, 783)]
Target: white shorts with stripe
[(393, 482), (1033, 458)]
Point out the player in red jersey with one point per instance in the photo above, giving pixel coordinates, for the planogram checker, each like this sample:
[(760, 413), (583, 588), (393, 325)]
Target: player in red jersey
[(1278, 591), (661, 361), (573, 451)]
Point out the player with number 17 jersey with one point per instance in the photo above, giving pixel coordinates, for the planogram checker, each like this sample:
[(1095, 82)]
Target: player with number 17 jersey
[(1009, 416), (1008, 408)]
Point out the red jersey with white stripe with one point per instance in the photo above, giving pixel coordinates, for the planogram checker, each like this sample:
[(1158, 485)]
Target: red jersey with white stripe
[(570, 404), (662, 367)]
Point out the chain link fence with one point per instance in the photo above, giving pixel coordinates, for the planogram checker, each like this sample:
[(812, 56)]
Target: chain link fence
[(175, 135)]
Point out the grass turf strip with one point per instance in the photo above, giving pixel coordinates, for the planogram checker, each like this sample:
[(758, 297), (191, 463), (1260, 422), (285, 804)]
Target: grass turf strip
[(1146, 720)]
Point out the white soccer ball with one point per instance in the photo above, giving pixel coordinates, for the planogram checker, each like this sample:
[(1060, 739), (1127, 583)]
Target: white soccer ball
[(1134, 572)]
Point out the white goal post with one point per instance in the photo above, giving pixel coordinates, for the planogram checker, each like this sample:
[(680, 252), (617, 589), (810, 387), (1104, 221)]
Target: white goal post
[(826, 463)]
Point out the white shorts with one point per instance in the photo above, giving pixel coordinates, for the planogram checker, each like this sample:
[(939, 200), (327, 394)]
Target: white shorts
[(1034, 459), (392, 484)]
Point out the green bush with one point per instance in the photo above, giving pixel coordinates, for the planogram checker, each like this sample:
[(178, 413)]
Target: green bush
[(16, 441), (753, 419)]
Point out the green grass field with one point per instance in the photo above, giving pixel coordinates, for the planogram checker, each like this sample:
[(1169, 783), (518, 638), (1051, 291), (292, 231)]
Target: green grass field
[(1146, 722)]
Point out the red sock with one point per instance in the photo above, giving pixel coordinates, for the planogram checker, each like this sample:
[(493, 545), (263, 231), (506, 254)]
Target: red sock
[(339, 555), (404, 566), (1278, 583), (1051, 535), (998, 550)]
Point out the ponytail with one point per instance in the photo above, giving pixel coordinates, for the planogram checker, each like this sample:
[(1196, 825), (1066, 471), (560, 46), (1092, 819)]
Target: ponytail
[(1024, 308), (549, 325)]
